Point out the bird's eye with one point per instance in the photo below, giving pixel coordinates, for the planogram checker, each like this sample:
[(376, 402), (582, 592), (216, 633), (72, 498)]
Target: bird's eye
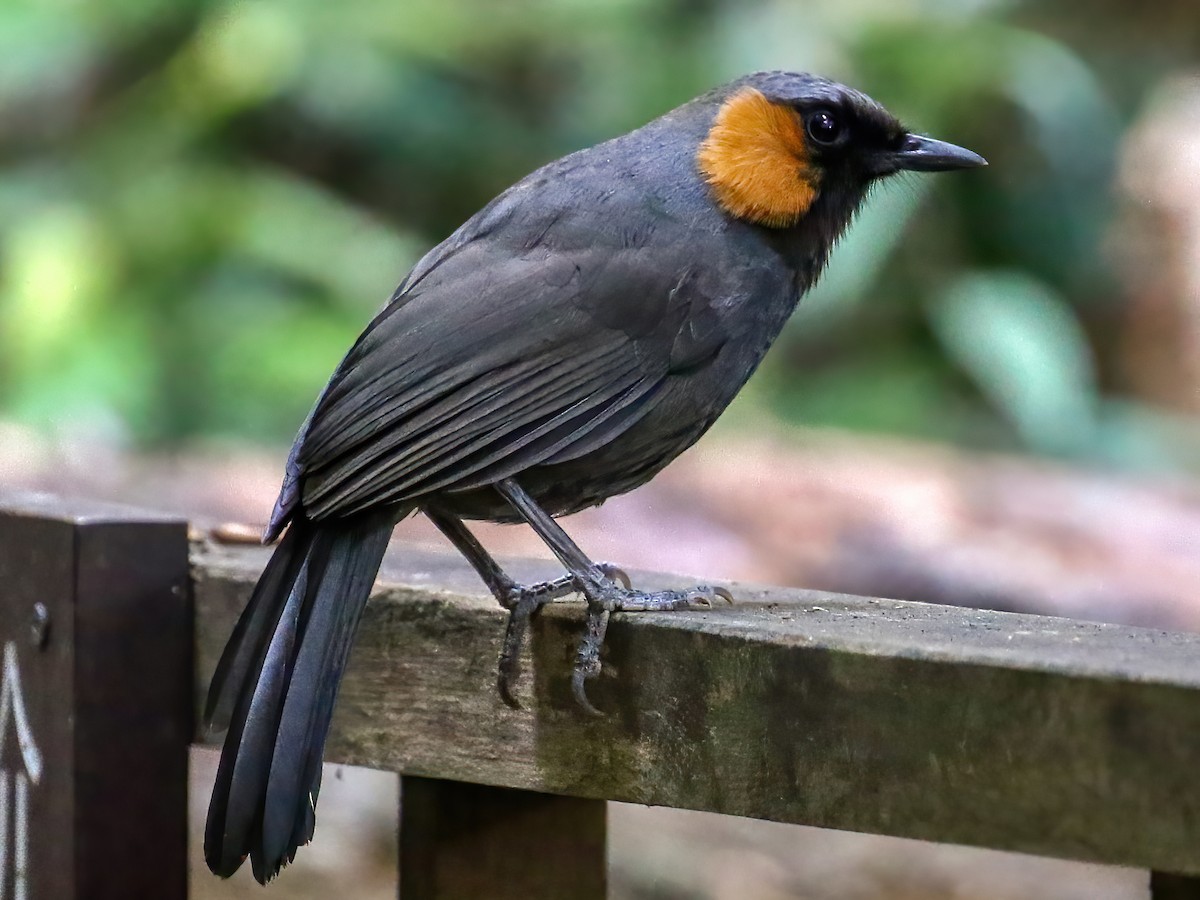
[(824, 127)]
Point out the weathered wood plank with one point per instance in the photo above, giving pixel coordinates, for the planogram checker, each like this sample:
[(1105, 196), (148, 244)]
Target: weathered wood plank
[(1041, 735), (472, 840)]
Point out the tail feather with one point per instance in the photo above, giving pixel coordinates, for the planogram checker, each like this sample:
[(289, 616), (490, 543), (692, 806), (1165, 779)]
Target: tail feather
[(252, 753), (308, 707), (275, 689), (247, 645)]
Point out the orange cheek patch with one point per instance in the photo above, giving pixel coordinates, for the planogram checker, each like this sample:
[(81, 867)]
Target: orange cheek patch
[(756, 162)]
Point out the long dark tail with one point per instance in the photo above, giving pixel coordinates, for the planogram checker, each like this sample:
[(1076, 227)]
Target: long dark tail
[(275, 686)]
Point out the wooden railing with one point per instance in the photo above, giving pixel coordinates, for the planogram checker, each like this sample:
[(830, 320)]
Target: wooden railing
[(1047, 736)]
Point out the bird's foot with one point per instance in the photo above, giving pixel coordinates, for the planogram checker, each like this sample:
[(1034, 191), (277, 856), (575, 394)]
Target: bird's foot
[(612, 598), (522, 602), (513, 595)]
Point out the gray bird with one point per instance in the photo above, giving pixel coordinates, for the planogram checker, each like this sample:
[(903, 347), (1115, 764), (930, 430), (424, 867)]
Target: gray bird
[(561, 347)]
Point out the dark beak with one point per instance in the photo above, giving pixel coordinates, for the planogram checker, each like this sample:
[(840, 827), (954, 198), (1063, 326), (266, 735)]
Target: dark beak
[(923, 154)]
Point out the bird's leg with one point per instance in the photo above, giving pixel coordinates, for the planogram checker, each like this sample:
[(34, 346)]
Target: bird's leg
[(604, 596), (521, 601)]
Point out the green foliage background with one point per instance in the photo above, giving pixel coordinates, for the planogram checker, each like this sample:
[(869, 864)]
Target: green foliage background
[(201, 203)]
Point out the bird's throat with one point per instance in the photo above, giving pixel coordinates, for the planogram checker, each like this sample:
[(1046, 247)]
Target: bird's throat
[(756, 163)]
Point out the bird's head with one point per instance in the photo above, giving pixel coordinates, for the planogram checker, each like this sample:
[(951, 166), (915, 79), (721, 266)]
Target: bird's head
[(781, 144)]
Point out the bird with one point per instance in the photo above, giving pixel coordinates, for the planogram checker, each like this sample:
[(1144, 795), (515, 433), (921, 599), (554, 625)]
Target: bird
[(561, 347)]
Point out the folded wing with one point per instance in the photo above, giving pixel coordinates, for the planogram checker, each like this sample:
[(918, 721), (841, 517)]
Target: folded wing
[(493, 362)]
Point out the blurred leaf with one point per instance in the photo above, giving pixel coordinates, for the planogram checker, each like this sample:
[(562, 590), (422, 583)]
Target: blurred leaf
[(60, 264), (244, 53), (1139, 437), (266, 350), (305, 233), (1025, 351)]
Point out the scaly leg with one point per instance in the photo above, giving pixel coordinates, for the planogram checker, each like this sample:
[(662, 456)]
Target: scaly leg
[(604, 596), (521, 601)]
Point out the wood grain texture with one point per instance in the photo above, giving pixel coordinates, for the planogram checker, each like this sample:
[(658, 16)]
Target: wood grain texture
[(1041, 735)]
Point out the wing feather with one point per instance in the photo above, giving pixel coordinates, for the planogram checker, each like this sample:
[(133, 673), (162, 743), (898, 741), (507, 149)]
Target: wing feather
[(501, 357), (468, 433)]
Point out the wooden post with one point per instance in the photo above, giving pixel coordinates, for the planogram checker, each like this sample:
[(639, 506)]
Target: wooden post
[(470, 840), (1165, 886), (95, 708)]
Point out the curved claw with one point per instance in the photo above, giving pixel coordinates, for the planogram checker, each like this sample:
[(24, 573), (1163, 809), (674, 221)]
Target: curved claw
[(616, 573), (504, 686), (587, 661), (510, 653), (703, 596), (578, 688), (615, 595)]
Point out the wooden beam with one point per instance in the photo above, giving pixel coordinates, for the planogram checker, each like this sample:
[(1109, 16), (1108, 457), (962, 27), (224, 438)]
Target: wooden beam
[(1042, 735), (471, 840), (1165, 886)]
